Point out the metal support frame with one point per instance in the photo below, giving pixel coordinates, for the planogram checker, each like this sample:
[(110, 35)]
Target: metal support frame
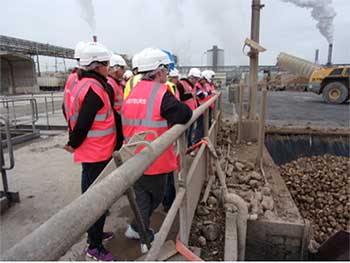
[(261, 138), (11, 196)]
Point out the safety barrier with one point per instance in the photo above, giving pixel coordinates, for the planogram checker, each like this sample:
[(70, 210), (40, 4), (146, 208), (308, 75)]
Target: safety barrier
[(53, 238)]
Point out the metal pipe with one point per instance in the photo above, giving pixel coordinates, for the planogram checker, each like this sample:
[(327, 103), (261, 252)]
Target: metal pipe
[(52, 104), (231, 243), (53, 238), (47, 113), (242, 217)]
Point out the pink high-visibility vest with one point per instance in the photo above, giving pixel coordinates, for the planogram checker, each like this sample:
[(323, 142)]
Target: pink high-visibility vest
[(205, 88), (141, 112), (101, 138), (72, 80), (192, 103), (118, 93)]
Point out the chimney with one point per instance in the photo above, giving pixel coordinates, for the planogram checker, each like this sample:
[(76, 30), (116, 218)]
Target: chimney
[(317, 53), (330, 52), (94, 38)]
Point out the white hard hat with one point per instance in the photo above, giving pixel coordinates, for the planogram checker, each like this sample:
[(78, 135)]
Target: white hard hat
[(78, 47), (117, 60), (174, 73), (94, 52), (134, 61), (127, 74), (151, 58), (207, 74), (195, 72)]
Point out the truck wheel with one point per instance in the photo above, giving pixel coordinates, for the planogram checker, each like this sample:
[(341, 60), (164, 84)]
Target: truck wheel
[(335, 93)]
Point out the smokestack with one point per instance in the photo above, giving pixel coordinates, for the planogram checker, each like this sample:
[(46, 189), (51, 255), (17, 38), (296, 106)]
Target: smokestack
[(317, 53), (330, 53), (94, 38)]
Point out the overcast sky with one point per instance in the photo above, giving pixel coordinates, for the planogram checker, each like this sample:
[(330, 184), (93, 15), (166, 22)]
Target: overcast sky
[(186, 27)]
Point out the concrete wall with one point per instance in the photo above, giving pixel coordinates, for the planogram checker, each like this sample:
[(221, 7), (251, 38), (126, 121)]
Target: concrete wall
[(18, 74)]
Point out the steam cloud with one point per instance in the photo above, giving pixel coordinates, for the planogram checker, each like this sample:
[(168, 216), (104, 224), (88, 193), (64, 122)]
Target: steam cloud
[(88, 13), (323, 12)]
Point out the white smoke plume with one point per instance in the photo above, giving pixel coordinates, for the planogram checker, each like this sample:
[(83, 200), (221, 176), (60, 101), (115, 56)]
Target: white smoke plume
[(88, 13), (323, 12)]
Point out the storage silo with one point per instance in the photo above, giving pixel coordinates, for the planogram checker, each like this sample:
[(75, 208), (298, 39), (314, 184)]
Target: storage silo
[(215, 57)]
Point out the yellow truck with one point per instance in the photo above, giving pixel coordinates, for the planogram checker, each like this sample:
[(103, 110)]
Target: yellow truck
[(332, 82)]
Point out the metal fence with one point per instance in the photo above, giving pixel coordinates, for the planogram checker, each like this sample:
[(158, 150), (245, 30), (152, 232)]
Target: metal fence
[(53, 238)]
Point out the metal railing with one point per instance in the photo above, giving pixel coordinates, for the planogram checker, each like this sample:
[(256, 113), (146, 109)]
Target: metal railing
[(27, 109), (54, 237)]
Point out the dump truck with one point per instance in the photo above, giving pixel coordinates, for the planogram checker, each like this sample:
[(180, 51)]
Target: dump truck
[(332, 82)]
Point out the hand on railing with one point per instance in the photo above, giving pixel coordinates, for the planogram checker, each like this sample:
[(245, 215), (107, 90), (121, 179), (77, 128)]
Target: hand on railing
[(68, 148)]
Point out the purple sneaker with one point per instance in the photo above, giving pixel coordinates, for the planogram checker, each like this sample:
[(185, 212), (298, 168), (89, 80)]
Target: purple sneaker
[(100, 254)]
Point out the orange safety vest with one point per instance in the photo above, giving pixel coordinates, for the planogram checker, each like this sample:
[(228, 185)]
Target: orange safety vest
[(101, 138), (118, 93), (141, 112), (192, 103), (72, 80), (205, 88)]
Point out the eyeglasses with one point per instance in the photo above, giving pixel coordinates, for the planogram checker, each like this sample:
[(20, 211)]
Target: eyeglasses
[(105, 63), (165, 68)]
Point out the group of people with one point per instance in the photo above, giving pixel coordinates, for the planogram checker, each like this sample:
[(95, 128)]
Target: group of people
[(105, 104)]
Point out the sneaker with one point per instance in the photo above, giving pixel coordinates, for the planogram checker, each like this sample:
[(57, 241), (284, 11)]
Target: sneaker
[(100, 254), (131, 233), (143, 247)]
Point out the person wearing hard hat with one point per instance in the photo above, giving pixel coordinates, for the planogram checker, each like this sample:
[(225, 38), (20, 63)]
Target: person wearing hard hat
[(94, 131), (150, 106), (134, 79), (203, 94), (173, 79), (116, 70), (187, 91), (72, 79), (205, 90)]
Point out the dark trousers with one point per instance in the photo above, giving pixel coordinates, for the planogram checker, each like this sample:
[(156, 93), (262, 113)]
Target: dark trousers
[(210, 116), (199, 131), (189, 133), (90, 172), (170, 191), (149, 191)]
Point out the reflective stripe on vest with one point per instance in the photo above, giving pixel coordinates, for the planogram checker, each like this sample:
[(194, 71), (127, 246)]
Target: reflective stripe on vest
[(66, 108), (100, 133), (148, 122), (98, 117)]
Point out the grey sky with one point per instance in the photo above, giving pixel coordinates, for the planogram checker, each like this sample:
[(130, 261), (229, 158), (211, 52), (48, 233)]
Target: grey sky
[(186, 27)]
